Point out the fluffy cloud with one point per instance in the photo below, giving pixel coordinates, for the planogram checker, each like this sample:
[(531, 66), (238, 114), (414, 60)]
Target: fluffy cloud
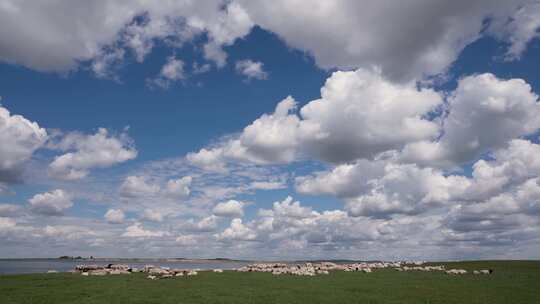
[(261, 142), (100, 150), (171, 72), (353, 35), (381, 189), (508, 167), (23, 136), (104, 64), (508, 218), (179, 188), (289, 223), (224, 29), (251, 69), (115, 216), (496, 207), (51, 203), (484, 113), (142, 186), (498, 203), (135, 186), (54, 30), (231, 208), (290, 208), (406, 189), (137, 231), (357, 33), (207, 224), (68, 232), (346, 180), (268, 185), (208, 159), (519, 29), (359, 114), (58, 35), (237, 231)]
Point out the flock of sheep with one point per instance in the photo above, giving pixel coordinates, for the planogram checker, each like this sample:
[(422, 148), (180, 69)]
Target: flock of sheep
[(152, 271), (312, 269), (442, 268), (306, 269)]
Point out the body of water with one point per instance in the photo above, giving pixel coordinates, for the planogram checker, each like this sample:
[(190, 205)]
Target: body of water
[(18, 266)]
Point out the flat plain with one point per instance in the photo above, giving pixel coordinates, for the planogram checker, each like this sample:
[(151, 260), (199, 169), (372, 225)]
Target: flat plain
[(511, 282)]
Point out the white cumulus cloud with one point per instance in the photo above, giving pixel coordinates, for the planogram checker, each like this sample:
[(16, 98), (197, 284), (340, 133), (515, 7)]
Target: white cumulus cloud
[(24, 137), (359, 115), (251, 69), (231, 208), (135, 186), (171, 72), (137, 231), (100, 150), (179, 188), (115, 216), (484, 113), (57, 35), (350, 34), (51, 203), (237, 231)]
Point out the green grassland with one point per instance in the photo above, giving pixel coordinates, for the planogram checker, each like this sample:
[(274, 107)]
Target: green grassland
[(512, 282)]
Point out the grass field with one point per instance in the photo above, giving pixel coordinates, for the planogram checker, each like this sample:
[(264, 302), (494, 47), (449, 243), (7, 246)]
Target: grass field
[(512, 282)]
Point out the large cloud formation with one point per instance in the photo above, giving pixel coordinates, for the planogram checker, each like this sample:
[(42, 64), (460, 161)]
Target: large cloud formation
[(395, 155), (360, 114), (425, 35), (484, 113), (57, 35), (20, 138)]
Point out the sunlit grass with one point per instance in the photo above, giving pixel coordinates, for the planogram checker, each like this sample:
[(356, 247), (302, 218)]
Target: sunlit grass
[(512, 282)]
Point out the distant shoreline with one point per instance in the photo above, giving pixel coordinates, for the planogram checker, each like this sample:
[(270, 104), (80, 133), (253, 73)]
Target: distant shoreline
[(194, 260), (129, 259)]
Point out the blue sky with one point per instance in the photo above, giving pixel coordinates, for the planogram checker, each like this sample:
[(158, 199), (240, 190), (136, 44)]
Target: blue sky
[(249, 129)]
